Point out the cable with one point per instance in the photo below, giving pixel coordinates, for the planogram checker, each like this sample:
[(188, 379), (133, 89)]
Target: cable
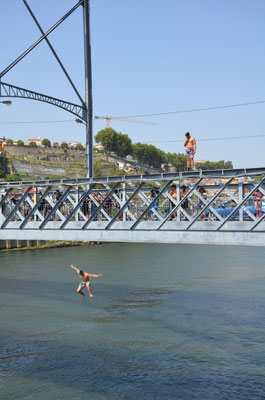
[(196, 109), (201, 140), (150, 115)]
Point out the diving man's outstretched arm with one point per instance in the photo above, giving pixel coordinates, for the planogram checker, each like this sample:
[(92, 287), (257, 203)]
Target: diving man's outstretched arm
[(77, 270)]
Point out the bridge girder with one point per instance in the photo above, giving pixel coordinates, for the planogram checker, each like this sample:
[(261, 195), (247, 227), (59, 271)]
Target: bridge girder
[(126, 209)]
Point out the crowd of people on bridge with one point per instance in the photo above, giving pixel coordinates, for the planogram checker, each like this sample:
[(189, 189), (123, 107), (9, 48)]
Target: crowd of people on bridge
[(180, 203)]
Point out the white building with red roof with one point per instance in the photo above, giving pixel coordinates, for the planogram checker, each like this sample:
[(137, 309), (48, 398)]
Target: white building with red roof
[(37, 141)]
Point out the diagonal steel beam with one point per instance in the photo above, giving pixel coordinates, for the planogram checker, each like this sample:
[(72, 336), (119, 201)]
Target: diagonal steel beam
[(237, 207), (211, 208), (121, 203), (55, 208), (31, 204), (52, 204), (124, 206), (100, 207), (40, 39), (147, 201), (53, 51), (174, 201), (15, 209), (211, 202), (249, 213), (260, 188), (74, 210), (150, 206), (258, 222), (179, 204), (35, 208), (97, 204)]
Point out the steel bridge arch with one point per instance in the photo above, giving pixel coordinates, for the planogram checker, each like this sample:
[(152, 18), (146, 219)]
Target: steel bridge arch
[(7, 90)]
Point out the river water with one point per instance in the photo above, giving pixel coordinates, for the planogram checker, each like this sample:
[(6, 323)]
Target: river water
[(165, 322)]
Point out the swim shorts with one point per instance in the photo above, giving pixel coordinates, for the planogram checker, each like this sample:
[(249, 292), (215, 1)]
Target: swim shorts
[(83, 284), (189, 152)]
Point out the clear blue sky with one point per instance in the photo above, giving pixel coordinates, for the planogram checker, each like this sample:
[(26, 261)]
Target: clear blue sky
[(148, 56)]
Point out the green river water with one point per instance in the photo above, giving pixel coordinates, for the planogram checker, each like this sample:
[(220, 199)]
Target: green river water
[(165, 322)]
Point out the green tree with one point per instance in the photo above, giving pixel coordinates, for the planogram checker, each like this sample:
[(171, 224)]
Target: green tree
[(55, 145), (107, 137), (213, 165), (149, 155), (123, 145), (46, 143), (20, 143), (228, 165), (64, 145), (177, 160), (32, 144), (79, 146), (9, 142)]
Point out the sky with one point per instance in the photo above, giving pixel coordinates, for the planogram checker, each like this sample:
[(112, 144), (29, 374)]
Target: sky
[(148, 57)]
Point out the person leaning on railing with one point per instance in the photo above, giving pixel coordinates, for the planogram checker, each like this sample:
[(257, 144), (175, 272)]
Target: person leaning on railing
[(258, 196)]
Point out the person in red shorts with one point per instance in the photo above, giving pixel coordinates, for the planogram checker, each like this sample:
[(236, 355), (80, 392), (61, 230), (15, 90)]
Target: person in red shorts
[(190, 144)]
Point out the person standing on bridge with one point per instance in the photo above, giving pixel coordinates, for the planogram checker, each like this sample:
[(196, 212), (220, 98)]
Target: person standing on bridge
[(190, 144), (85, 281)]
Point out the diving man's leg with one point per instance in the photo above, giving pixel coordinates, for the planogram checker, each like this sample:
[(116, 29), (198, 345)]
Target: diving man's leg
[(79, 290), (89, 289)]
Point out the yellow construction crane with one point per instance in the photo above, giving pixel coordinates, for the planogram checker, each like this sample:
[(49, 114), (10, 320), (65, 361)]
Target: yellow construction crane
[(108, 118)]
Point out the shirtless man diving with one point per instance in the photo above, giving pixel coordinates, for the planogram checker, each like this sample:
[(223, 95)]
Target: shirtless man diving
[(85, 281), (190, 144)]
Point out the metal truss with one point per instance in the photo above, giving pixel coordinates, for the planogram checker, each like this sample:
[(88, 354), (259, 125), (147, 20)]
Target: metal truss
[(221, 202), (7, 90), (85, 109), (24, 93)]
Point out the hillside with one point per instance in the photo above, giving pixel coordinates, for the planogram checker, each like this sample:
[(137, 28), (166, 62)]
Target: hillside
[(44, 162)]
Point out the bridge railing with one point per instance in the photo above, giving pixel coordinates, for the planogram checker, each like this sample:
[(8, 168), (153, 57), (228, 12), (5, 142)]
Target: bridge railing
[(226, 200)]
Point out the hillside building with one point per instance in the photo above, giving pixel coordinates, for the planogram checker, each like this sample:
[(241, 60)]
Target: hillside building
[(37, 141)]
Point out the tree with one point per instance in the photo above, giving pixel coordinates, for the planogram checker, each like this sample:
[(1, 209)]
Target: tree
[(9, 142), (20, 143), (64, 145), (55, 145), (79, 146), (108, 137), (177, 160), (149, 155), (212, 165), (123, 145), (32, 144), (46, 143), (228, 165)]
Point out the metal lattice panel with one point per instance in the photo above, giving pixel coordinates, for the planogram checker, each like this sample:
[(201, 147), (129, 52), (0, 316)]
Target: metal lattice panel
[(230, 202)]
